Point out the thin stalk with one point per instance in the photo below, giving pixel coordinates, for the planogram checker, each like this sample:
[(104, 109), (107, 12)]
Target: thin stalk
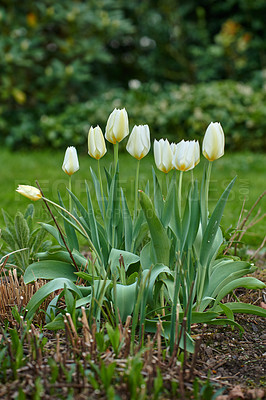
[(101, 186), (207, 189), (179, 193), (70, 189), (115, 155), (136, 190), (58, 227), (192, 177)]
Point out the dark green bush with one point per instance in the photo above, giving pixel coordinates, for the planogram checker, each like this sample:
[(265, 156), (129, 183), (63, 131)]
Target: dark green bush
[(171, 111)]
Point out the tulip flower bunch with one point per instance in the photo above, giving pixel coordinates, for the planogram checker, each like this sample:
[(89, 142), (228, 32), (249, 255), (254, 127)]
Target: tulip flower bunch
[(161, 256)]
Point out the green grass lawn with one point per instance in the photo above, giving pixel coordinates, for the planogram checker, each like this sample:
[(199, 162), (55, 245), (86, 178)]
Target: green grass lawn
[(46, 166)]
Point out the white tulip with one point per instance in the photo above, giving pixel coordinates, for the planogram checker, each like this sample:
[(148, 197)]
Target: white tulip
[(186, 155), (117, 126), (163, 155), (30, 192), (96, 143), (213, 142), (71, 162), (139, 144)]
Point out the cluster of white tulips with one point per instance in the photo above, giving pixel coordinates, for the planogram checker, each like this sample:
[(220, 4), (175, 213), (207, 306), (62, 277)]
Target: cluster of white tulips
[(182, 156)]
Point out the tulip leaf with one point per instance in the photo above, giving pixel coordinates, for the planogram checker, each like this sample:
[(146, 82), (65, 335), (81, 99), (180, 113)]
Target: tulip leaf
[(56, 324), (102, 202), (125, 299), (247, 282), (158, 197), (128, 259), (127, 222), (64, 256), (151, 276), (54, 232), (158, 233), (46, 290), (225, 321), (146, 256), (169, 203), (49, 269), (72, 239), (242, 308), (209, 235)]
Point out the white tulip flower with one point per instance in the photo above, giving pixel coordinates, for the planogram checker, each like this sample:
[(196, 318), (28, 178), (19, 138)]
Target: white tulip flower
[(163, 155), (71, 162), (117, 126), (213, 142), (139, 144), (96, 143)]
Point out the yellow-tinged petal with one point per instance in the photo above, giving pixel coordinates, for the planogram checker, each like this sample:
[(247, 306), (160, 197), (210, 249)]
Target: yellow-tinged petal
[(117, 126), (96, 143), (213, 142), (138, 144), (30, 192)]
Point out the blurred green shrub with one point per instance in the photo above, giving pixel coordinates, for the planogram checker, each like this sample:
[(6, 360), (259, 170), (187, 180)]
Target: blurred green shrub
[(172, 111), (60, 62)]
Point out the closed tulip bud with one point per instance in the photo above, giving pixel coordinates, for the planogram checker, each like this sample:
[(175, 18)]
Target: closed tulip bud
[(30, 192), (213, 142), (117, 126), (163, 155), (96, 143), (139, 144), (71, 162)]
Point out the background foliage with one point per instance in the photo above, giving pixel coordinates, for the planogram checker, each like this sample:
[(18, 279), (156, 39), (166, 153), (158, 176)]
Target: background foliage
[(65, 64)]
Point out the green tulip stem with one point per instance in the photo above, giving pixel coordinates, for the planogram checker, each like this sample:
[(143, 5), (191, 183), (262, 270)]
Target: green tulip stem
[(101, 186), (192, 177), (208, 177), (136, 190), (70, 189), (79, 224), (115, 155), (180, 192)]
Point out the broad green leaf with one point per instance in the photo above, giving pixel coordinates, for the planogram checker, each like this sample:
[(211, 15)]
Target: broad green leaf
[(102, 202), (146, 256), (227, 311), (46, 290), (151, 276), (54, 232), (128, 258), (72, 239), (225, 321), (61, 255), (56, 323), (127, 222), (243, 308), (169, 202), (158, 233), (158, 197), (247, 282), (212, 227), (49, 269), (125, 299)]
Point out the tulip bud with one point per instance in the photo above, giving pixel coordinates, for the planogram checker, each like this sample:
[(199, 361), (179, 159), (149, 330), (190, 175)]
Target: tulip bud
[(30, 192), (213, 142), (117, 126), (96, 143), (163, 155), (139, 144), (71, 162)]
